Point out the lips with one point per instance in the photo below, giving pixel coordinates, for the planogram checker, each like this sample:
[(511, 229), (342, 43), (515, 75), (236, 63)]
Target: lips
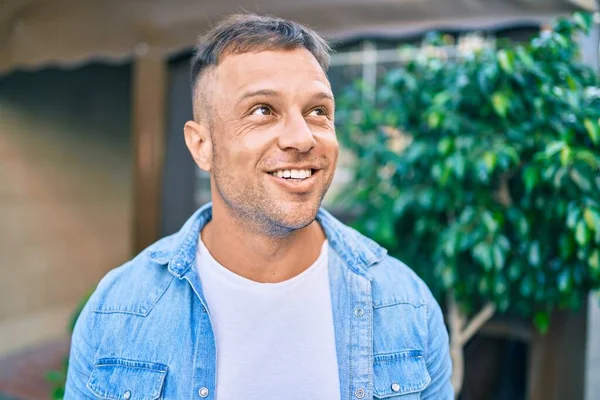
[(296, 185), (292, 173)]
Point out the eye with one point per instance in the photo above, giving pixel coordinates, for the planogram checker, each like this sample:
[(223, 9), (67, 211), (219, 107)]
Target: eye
[(262, 110), (318, 112)]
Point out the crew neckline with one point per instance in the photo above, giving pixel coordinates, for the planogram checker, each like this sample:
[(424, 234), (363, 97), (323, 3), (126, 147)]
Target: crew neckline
[(226, 275)]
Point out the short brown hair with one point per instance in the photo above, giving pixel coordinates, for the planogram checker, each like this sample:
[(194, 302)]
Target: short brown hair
[(243, 33)]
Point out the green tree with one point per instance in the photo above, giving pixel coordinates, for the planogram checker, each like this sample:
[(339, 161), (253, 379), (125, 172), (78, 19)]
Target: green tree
[(483, 174)]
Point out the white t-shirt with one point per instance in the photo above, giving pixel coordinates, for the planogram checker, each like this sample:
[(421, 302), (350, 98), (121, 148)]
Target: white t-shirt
[(274, 340)]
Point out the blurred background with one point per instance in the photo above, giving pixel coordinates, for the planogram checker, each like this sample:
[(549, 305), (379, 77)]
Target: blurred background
[(93, 167)]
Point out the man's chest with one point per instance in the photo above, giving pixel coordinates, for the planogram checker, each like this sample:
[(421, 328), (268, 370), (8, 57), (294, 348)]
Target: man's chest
[(279, 344), (378, 348)]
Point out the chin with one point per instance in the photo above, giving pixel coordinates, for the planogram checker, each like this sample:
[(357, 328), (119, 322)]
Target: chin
[(297, 215)]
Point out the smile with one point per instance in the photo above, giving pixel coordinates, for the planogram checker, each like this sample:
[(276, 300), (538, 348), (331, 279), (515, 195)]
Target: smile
[(298, 181), (292, 173)]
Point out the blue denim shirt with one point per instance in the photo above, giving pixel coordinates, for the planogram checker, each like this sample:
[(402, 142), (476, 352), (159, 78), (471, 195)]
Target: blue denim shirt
[(146, 333)]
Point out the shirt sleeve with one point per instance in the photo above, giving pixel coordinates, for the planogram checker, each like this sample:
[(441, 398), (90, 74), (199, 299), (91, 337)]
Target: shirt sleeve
[(438, 359), (81, 359)]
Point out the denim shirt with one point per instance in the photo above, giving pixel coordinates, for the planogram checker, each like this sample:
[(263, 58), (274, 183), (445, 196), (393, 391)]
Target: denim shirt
[(146, 333)]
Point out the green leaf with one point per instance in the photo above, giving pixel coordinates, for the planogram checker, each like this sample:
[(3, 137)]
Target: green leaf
[(514, 271), (525, 58), (592, 218), (58, 393), (542, 321), (564, 281), (554, 148), (489, 159), (501, 103), (531, 177), (533, 256), (402, 202), (571, 83), (594, 262), (434, 120), (500, 286), (506, 59), (580, 180), (582, 234), (583, 20), (450, 243), (483, 286), (445, 145), (565, 156), (526, 288), (55, 376), (560, 174), (566, 246), (499, 257), (489, 221), (458, 165), (591, 159), (503, 243), (593, 129), (573, 215), (441, 98), (482, 253), (448, 276)]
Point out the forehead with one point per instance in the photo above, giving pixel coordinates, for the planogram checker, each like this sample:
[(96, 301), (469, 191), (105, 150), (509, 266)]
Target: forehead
[(288, 68)]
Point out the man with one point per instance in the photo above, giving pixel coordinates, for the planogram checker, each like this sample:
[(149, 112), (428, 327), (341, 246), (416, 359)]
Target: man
[(261, 294)]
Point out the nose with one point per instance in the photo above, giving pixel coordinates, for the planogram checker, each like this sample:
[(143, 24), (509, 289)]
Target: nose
[(297, 135)]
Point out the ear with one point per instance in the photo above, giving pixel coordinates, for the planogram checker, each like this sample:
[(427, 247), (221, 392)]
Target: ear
[(199, 143)]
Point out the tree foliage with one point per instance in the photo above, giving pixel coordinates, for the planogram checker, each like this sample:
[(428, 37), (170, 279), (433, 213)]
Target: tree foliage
[(483, 173)]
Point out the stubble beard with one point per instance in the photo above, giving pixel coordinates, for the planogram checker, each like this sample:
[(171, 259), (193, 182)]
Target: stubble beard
[(254, 208)]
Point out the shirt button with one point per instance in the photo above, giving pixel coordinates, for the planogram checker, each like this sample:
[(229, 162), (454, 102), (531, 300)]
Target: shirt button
[(395, 387), (127, 395), (359, 312), (359, 393), (203, 392)]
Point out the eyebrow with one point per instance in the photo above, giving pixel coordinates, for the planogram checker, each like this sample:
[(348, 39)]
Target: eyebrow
[(273, 93), (258, 93)]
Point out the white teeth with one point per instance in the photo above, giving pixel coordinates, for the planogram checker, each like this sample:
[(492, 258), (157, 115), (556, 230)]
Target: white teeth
[(293, 173)]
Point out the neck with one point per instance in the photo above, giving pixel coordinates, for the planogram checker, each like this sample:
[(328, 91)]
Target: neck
[(245, 250)]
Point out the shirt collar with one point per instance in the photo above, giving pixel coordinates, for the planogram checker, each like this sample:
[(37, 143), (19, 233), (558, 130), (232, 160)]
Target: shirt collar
[(178, 251)]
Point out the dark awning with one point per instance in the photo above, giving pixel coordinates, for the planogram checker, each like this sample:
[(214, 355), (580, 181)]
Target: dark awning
[(36, 33)]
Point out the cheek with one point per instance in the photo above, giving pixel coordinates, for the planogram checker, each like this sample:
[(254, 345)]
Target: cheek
[(247, 151), (329, 146), (239, 141)]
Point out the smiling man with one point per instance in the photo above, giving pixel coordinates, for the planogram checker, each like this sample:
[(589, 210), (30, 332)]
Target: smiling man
[(262, 294)]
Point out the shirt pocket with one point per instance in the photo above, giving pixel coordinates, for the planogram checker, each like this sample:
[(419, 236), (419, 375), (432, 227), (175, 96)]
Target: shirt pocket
[(116, 378), (401, 375)]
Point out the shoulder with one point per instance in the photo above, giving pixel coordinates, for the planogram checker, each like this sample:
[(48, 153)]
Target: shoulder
[(133, 288), (393, 282)]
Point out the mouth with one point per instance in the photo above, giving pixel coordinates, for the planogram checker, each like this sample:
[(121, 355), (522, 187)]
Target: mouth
[(300, 180), (293, 174)]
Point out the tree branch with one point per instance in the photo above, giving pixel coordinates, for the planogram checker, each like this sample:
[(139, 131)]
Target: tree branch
[(477, 322), (456, 321)]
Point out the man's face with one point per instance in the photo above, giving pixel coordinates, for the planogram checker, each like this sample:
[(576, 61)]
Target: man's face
[(274, 148)]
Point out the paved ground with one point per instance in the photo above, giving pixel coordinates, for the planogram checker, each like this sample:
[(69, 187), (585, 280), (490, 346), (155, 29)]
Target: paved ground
[(22, 374)]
